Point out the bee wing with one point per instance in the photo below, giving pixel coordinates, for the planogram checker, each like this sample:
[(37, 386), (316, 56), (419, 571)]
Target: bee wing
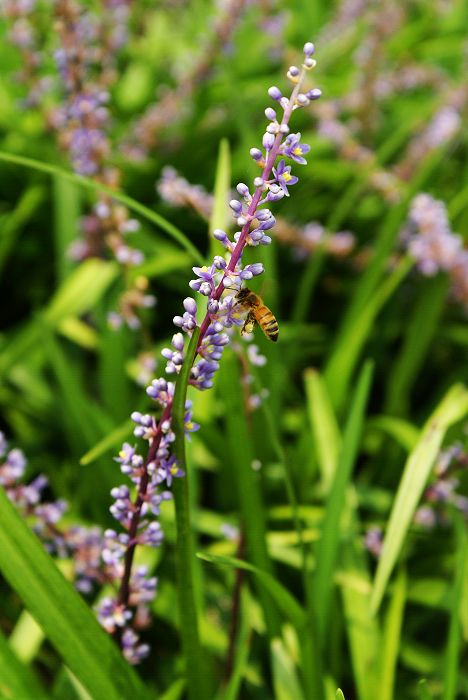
[(249, 325)]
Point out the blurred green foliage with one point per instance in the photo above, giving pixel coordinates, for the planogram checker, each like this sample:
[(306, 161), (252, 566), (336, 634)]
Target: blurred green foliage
[(360, 384)]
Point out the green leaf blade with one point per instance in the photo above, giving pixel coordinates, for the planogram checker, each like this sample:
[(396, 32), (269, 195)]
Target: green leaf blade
[(68, 623), (420, 462)]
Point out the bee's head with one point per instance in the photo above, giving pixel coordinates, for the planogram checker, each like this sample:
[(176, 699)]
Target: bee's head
[(242, 294)]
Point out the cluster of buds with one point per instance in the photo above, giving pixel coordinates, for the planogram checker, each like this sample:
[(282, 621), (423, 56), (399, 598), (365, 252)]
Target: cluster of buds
[(28, 498), (88, 47), (96, 556), (438, 133), (24, 33), (429, 239), (126, 612), (177, 191)]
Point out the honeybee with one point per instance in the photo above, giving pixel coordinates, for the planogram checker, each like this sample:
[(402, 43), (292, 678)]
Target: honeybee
[(258, 313)]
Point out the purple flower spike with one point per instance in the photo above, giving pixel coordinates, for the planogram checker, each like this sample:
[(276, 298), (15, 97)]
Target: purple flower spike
[(225, 272)]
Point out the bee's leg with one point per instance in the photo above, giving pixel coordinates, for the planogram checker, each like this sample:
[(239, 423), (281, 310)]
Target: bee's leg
[(249, 324)]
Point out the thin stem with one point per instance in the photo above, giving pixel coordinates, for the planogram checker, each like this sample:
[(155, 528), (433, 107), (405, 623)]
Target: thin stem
[(198, 676)]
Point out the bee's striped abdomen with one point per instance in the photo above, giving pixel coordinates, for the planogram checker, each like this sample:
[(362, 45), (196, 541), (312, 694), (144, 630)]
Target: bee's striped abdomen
[(267, 322)]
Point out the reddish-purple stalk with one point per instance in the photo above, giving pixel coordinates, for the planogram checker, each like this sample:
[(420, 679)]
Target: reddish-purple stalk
[(124, 591), (240, 245)]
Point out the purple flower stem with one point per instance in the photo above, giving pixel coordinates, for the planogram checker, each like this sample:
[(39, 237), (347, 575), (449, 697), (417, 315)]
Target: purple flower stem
[(124, 591)]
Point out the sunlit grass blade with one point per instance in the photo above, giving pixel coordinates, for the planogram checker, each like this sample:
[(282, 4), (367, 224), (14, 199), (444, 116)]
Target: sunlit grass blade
[(176, 690), (324, 426), (65, 618), (110, 441), (81, 290), (327, 548), (403, 432), (451, 409), (166, 260), (79, 333), (66, 223), (339, 695), (26, 637), (97, 186), (453, 649), (391, 638), (285, 680), (220, 216), (16, 679), (361, 626)]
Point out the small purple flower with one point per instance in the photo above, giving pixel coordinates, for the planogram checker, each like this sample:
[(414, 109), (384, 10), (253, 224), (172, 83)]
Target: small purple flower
[(142, 588), (373, 541), (121, 509), (168, 470), (114, 547), (205, 284), (152, 535), (131, 649), (112, 614), (283, 177), (228, 312), (175, 358), (161, 391), (425, 517), (189, 320), (295, 150), (255, 357)]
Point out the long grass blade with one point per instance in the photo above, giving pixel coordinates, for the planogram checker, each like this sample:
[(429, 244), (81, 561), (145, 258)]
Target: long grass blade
[(327, 549), (452, 408), (97, 186), (65, 618), (196, 670)]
